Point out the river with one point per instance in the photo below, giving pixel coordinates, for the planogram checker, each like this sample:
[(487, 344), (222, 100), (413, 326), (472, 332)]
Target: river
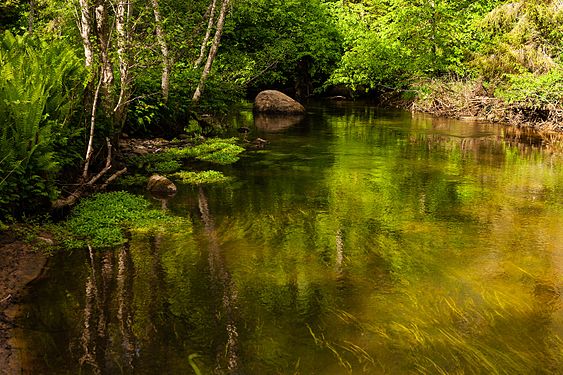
[(357, 241)]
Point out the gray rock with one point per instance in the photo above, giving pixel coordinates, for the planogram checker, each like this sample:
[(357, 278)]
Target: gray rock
[(272, 101)]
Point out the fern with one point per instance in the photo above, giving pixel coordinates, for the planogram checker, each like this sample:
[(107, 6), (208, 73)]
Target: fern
[(37, 81)]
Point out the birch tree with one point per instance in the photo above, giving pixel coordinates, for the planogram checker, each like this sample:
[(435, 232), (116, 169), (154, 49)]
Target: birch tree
[(210, 24), (161, 39), (212, 51), (122, 26)]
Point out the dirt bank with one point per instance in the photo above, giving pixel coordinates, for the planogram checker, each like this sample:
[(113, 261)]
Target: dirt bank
[(20, 264)]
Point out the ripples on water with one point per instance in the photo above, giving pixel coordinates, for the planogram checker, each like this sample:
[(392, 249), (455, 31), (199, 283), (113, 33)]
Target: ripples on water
[(359, 241)]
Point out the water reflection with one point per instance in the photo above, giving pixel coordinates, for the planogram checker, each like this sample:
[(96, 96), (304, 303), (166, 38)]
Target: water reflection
[(276, 123), (222, 281), (357, 242)]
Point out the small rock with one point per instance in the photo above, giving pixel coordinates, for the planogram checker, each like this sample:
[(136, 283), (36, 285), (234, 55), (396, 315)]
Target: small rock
[(161, 185)]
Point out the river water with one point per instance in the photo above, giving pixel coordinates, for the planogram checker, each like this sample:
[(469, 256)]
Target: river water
[(358, 241)]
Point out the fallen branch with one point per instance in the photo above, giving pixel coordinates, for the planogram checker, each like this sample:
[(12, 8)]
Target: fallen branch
[(89, 185), (113, 177)]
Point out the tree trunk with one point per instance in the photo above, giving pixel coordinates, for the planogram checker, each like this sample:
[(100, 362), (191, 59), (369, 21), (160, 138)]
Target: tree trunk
[(85, 28), (207, 34), (30, 16), (103, 34), (165, 82), (212, 51), (122, 14)]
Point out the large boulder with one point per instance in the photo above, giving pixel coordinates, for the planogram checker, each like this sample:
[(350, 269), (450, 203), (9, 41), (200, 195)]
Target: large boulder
[(160, 185), (272, 101)]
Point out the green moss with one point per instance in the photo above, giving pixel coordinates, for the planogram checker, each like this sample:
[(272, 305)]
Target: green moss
[(100, 220), (201, 178)]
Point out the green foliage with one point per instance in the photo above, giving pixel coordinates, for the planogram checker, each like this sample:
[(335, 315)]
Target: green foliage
[(11, 12), (100, 220), (520, 37), (392, 43), (40, 85), (533, 91), (165, 167), (201, 178), (218, 151), (279, 43)]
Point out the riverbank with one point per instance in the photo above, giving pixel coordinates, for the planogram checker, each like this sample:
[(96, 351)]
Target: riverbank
[(20, 264), (471, 100)]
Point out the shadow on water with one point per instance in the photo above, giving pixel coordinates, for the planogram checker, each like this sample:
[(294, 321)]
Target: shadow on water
[(358, 241)]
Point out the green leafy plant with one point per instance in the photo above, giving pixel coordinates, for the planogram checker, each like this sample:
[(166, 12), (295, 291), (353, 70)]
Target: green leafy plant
[(222, 151), (201, 178), (100, 220), (534, 91)]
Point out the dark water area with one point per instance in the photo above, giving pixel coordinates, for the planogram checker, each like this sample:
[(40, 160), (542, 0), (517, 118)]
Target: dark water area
[(358, 241)]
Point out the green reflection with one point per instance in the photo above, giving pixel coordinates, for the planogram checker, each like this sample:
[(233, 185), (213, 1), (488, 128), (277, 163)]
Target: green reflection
[(357, 242)]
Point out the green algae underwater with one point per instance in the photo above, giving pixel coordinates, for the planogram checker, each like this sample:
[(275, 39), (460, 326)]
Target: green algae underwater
[(358, 241)]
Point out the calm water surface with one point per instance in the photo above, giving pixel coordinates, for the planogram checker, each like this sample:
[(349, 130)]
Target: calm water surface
[(357, 241)]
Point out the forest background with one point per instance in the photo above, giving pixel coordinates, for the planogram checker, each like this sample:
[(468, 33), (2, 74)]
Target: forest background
[(75, 76)]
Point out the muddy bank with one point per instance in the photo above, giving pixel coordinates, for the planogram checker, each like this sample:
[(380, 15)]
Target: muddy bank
[(20, 264)]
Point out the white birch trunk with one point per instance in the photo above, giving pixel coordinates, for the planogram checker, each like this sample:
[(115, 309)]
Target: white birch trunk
[(122, 12), (85, 28), (102, 30), (207, 34), (165, 82), (212, 51)]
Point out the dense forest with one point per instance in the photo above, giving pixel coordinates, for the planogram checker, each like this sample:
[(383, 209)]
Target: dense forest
[(75, 76)]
